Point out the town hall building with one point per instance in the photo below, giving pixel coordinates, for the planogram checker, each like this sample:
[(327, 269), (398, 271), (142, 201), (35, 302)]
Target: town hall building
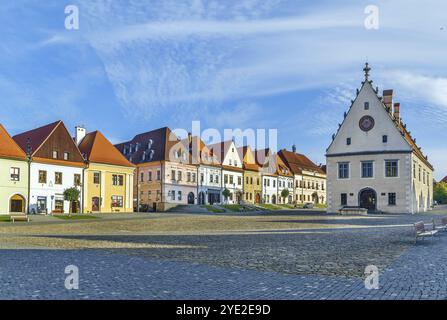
[(373, 161)]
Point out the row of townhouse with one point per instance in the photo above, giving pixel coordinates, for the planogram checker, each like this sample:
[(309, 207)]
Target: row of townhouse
[(37, 166), (171, 171)]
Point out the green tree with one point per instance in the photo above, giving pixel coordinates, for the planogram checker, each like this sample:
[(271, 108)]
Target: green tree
[(440, 192), (226, 193), (284, 194), (71, 194)]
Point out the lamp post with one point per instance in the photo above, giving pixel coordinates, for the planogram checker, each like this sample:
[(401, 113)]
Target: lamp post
[(29, 159)]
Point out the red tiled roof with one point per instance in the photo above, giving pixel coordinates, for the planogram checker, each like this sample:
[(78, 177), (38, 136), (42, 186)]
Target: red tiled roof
[(35, 137), (299, 162), (282, 169), (8, 147), (100, 150)]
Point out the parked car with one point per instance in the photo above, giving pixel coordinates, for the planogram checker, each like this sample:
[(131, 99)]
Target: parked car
[(308, 206)]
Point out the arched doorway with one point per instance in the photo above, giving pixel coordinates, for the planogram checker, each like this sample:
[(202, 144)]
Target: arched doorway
[(17, 204), (368, 199), (95, 204), (258, 198), (274, 199), (190, 198)]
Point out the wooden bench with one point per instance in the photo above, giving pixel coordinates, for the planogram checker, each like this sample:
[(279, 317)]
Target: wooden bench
[(420, 232), (442, 226), (353, 210), (19, 217)]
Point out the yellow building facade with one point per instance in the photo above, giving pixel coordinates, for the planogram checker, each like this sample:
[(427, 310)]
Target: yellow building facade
[(252, 176), (108, 184)]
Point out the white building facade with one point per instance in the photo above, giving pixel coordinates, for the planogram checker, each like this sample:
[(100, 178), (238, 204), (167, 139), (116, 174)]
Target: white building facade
[(270, 188), (47, 185), (232, 170), (373, 162)]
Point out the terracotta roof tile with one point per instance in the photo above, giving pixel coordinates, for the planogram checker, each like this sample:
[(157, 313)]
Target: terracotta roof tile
[(100, 150), (8, 147), (299, 162)]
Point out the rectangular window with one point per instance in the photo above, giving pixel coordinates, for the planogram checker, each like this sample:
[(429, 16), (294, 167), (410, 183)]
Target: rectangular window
[(231, 179), (173, 175), (149, 176), (96, 178), (343, 170), (117, 180), (202, 178), (367, 169), (42, 176), (59, 205), (348, 141), (344, 199), (193, 177), (384, 138), (366, 105), (239, 181), (149, 195), (180, 195), (142, 177), (66, 156), (14, 174), (274, 183), (58, 178), (391, 168), (217, 178), (158, 175), (211, 178), (391, 199), (173, 195), (117, 201), (226, 178), (179, 175), (77, 179), (55, 154), (188, 176)]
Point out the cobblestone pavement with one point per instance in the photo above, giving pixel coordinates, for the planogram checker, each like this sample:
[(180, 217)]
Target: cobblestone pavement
[(311, 264)]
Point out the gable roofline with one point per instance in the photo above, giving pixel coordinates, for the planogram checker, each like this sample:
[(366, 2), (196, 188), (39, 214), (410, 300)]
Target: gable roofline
[(19, 154), (398, 125), (89, 144)]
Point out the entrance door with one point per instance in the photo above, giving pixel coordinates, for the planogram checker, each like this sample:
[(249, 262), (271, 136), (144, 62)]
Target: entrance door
[(95, 204), (191, 198), (42, 205), (368, 199), (274, 199), (258, 198), (17, 204)]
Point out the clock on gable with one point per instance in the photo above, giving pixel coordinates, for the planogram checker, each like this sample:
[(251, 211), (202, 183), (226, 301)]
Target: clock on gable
[(366, 123)]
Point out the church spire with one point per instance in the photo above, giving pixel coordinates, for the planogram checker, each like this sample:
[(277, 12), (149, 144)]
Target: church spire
[(366, 69)]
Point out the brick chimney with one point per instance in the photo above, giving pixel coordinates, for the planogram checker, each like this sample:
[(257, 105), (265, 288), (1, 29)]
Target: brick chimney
[(397, 112), (388, 100)]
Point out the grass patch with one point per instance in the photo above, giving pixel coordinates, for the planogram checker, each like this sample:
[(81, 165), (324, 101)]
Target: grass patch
[(234, 207), (5, 218), (269, 206), (75, 217), (212, 209)]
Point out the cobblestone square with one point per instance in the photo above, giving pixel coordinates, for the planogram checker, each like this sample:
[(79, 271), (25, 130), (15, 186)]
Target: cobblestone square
[(296, 255)]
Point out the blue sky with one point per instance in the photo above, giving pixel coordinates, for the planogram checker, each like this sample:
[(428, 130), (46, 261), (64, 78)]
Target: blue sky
[(293, 65)]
